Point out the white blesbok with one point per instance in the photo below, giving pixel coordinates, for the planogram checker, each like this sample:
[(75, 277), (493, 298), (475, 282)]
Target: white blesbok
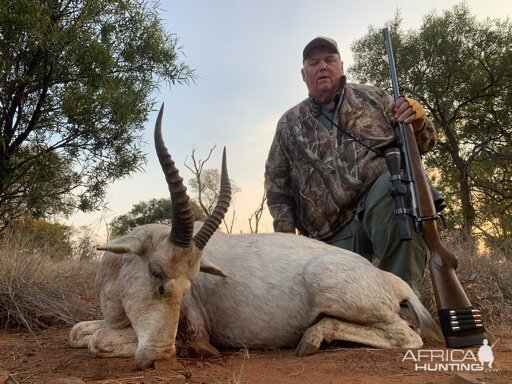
[(256, 290)]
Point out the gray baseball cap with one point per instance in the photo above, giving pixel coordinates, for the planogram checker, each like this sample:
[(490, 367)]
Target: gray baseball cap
[(320, 41)]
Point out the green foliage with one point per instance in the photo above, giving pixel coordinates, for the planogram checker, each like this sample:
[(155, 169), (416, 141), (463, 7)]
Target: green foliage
[(154, 211), (38, 189), (76, 80), (460, 70)]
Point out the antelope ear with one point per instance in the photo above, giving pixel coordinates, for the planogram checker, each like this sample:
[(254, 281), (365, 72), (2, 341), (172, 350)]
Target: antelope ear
[(208, 267), (131, 243)]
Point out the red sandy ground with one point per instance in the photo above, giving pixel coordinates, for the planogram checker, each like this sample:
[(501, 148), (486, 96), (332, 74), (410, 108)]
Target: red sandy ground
[(46, 358)]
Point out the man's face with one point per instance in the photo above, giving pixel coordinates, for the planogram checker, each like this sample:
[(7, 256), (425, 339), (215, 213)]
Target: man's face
[(322, 72)]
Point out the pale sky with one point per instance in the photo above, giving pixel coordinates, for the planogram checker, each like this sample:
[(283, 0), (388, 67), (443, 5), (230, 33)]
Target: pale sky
[(248, 57)]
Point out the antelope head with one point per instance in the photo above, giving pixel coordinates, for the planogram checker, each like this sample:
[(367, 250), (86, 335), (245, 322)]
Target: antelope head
[(157, 279)]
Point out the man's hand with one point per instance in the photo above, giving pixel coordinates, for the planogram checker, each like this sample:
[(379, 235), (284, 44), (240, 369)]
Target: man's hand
[(409, 111)]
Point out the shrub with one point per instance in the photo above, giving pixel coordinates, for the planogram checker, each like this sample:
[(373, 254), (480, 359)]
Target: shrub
[(52, 239)]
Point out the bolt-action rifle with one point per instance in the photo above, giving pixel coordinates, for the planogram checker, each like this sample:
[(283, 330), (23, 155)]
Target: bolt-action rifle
[(461, 323)]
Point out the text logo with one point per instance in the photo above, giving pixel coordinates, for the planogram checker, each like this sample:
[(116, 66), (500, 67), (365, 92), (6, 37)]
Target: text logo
[(445, 360)]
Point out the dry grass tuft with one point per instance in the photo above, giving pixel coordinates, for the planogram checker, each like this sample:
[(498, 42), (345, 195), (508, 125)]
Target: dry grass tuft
[(238, 377), (37, 291), (486, 277)]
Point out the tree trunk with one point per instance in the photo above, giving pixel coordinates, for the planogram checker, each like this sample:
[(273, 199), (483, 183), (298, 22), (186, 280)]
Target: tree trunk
[(467, 209)]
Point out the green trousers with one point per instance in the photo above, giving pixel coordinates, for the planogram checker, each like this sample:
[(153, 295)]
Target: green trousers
[(372, 234)]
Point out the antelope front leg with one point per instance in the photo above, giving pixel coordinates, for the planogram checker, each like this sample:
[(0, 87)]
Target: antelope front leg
[(387, 336), (82, 332), (109, 342)]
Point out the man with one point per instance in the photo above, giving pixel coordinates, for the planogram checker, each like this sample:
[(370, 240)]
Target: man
[(325, 174)]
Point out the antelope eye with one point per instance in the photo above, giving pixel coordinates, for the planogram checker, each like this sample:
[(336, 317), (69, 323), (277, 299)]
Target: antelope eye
[(155, 273), (161, 289)]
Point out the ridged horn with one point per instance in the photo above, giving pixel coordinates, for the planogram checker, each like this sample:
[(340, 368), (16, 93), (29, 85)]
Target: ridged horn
[(182, 215), (215, 218)]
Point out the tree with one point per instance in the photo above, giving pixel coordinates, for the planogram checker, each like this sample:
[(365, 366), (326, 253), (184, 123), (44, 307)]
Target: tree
[(154, 211), (206, 185), (256, 215), (76, 79), (460, 70)]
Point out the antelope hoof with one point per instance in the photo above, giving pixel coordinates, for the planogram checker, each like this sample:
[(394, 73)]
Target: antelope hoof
[(306, 348), (204, 348), (199, 347)]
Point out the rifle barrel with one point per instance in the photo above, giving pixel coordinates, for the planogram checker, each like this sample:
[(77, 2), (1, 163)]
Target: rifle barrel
[(391, 62)]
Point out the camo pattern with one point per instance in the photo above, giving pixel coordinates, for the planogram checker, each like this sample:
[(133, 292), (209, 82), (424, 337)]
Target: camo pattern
[(315, 178)]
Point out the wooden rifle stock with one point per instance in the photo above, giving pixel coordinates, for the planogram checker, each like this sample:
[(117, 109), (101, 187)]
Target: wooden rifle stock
[(451, 300), (442, 263)]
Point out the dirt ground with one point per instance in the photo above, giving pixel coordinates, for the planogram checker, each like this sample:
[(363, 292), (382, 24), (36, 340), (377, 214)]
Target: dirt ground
[(46, 358)]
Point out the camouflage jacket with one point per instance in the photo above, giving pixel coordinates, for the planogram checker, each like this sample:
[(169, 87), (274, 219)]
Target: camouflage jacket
[(315, 177)]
